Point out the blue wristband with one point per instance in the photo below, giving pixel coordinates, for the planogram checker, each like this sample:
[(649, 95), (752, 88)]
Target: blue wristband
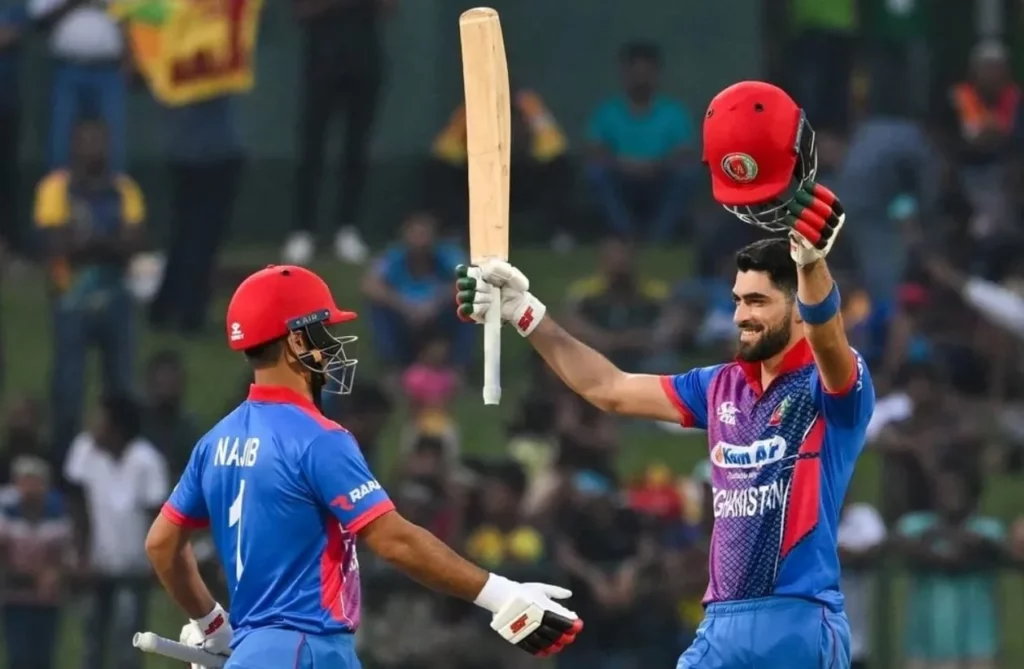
[(824, 311)]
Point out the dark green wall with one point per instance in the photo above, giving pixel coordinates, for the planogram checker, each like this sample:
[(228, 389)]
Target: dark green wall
[(565, 49)]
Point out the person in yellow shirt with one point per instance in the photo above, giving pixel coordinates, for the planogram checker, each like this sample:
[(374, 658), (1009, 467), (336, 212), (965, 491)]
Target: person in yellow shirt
[(91, 219)]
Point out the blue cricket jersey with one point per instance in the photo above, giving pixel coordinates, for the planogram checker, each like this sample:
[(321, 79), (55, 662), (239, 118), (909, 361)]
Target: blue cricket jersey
[(284, 491), (782, 459)]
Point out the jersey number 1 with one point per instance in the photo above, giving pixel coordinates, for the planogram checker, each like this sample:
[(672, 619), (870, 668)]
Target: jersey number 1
[(235, 518)]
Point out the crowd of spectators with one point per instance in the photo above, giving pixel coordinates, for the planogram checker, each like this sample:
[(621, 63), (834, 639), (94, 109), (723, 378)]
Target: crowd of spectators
[(929, 173)]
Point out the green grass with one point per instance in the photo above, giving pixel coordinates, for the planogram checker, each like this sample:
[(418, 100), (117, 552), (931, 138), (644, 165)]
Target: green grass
[(215, 377)]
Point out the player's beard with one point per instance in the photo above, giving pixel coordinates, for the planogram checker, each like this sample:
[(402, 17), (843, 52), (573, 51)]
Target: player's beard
[(771, 342)]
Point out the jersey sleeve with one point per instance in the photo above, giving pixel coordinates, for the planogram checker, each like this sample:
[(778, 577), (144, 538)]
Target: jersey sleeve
[(849, 407), (689, 393), (342, 482), (187, 506)]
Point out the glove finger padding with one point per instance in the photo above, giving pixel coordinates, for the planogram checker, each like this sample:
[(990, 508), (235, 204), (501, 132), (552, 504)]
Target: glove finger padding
[(816, 214), (473, 296), (532, 628)]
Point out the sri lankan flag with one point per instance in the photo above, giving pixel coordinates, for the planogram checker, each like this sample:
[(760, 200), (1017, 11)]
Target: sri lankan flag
[(192, 50)]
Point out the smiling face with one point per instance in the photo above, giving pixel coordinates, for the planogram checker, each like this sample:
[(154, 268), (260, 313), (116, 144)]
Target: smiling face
[(765, 316)]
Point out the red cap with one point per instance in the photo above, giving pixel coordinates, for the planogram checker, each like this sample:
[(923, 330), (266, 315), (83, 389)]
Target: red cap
[(268, 300), (751, 133)]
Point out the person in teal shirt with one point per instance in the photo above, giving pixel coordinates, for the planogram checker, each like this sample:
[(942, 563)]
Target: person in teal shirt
[(642, 160), (954, 554)]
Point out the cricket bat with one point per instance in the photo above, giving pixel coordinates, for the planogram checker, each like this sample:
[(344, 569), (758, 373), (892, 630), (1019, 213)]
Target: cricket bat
[(148, 642), (488, 150)]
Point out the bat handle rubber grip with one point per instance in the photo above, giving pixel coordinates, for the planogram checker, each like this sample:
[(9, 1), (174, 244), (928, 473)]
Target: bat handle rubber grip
[(492, 356)]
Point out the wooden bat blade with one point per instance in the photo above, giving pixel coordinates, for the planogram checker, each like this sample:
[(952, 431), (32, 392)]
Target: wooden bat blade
[(488, 132)]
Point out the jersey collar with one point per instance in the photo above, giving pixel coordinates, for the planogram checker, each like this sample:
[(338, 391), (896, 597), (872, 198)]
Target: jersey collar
[(280, 395), (798, 356)]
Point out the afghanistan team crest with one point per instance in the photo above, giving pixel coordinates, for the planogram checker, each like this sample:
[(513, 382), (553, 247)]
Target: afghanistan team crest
[(739, 167)]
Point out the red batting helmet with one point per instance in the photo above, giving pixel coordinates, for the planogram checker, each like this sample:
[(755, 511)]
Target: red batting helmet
[(281, 299), (758, 145)]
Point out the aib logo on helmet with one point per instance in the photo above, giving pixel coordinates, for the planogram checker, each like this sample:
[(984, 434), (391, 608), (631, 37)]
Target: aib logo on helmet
[(739, 167)]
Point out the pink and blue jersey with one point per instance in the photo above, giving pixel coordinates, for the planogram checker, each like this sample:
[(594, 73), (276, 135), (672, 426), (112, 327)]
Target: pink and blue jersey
[(782, 459), (284, 491)]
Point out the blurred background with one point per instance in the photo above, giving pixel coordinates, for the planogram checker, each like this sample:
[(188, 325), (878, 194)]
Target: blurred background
[(154, 152)]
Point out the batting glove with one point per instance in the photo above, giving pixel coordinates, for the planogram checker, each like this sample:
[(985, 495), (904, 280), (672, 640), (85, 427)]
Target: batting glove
[(815, 218), (527, 615), (477, 287), (212, 633)]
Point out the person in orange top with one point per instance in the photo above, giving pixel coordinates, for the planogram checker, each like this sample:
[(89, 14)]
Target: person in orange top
[(542, 176)]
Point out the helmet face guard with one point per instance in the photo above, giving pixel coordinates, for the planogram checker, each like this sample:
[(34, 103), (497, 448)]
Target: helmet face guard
[(333, 370), (769, 215)]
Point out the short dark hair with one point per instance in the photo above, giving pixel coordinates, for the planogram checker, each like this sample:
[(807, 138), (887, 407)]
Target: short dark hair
[(638, 51), (124, 414), (265, 355), (770, 256)]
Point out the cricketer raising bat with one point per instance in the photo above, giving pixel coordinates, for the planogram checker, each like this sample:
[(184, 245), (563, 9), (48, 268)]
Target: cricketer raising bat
[(488, 149), (148, 642)]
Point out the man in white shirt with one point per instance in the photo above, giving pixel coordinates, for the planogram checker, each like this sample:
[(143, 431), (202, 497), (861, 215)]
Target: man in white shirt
[(861, 535), (119, 481), (88, 49)]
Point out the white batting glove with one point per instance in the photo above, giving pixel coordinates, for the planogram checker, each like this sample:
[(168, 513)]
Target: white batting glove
[(815, 219), (527, 615), (212, 633), (478, 285)]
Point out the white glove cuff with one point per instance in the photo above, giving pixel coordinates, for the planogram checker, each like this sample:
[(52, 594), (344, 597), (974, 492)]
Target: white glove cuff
[(209, 623), (528, 315), (496, 592)]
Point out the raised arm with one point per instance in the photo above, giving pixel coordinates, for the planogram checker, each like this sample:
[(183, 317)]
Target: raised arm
[(590, 375), (816, 291)]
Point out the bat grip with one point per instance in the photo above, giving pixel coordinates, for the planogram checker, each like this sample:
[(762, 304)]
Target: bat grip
[(492, 356)]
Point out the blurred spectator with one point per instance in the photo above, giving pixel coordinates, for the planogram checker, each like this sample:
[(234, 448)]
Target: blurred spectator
[(533, 445), (89, 56), (954, 554), (598, 540), (13, 24), (23, 435), (35, 544), (118, 483), (820, 59), (982, 121), (166, 423), (656, 495), (898, 53), (431, 383), (642, 160), (205, 163), (91, 218), (409, 289), (616, 309), (543, 175), (501, 539), (861, 537), (342, 73), (364, 413)]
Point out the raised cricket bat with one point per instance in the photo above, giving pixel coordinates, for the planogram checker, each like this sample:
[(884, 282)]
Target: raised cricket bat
[(149, 642), (488, 144)]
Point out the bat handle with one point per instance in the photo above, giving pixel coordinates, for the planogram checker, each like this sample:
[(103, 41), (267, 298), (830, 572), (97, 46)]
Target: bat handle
[(492, 356)]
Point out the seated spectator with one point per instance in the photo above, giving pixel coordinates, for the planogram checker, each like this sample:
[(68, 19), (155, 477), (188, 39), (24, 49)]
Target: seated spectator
[(501, 539), (36, 544), (409, 290), (91, 219), (23, 435), (542, 178), (118, 482), (616, 310), (89, 57), (431, 383), (861, 537), (598, 541), (642, 160), (983, 124), (954, 554), (166, 423)]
